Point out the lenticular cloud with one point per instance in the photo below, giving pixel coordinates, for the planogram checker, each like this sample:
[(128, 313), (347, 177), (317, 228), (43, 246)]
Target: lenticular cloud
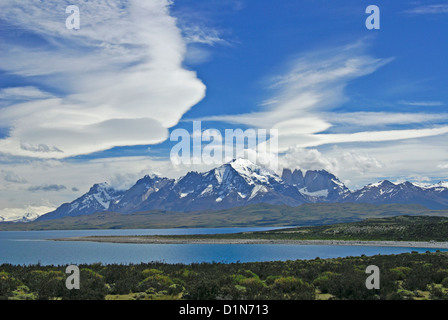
[(117, 81)]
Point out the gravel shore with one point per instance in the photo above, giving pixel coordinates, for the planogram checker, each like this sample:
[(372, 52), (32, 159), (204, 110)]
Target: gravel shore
[(155, 240)]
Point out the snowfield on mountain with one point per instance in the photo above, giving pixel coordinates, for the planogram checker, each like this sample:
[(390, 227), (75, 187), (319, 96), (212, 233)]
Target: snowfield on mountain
[(241, 182)]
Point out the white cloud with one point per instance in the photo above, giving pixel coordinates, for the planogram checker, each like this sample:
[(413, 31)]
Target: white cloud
[(23, 93), (407, 159), (47, 188), (336, 161), (375, 136), (429, 9), (307, 159), (122, 72), (202, 35), (358, 164), (422, 103), (304, 95), (61, 176), (366, 119), (312, 87), (12, 177), (197, 55)]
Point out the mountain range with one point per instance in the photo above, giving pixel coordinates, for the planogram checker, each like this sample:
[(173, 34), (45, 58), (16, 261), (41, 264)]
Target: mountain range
[(240, 183)]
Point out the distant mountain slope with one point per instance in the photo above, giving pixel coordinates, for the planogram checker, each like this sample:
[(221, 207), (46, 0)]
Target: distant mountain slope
[(256, 215), (240, 183), (384, 192), (146, 189), (317, 185), (98, 199), (236, 183), (27, 217)]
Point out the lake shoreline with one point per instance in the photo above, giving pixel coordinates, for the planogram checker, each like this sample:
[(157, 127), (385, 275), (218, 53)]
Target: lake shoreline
[(156, 240)]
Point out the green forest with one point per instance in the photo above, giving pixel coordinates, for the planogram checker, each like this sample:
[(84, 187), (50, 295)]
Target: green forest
[(406, 276)]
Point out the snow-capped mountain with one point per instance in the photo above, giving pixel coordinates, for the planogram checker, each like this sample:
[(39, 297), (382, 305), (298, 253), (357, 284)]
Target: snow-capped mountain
[(237, 183), (27, 217), (98, 199), (386, 192), (241, 182), (441, 186), (317, 185), (149, 187)]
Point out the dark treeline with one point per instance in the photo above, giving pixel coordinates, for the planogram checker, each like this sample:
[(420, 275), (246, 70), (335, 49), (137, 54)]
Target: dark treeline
[(404, 276)]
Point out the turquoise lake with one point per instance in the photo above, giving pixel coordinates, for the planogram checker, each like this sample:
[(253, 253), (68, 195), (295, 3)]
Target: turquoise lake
[(32, 247)]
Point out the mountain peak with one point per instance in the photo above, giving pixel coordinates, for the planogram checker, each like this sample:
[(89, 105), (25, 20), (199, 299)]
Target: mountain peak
[(443, 184), (293, 177), (241, 182), (98, 187), (253, 172), (148, 178), (381, 183), (242, 164), (316, 184), (241, 161)]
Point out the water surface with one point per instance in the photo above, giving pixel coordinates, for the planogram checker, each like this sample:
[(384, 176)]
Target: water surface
[(32, 247)]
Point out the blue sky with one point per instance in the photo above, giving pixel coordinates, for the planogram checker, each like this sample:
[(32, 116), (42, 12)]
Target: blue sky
[(98, 104)]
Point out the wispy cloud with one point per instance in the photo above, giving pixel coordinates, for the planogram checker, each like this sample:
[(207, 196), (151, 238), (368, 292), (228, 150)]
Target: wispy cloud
[(47, 177), (47, 188), (23, 93), (360, 146), (307, 92), (369, 119), (376, 136), (11, 176), (121, 75), (202, 35), (358, 163), (311, 89), (422, 103), (429, 9)]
